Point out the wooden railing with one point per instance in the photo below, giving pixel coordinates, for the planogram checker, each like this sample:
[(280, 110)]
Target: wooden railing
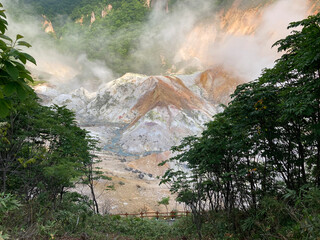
[(157, 215)]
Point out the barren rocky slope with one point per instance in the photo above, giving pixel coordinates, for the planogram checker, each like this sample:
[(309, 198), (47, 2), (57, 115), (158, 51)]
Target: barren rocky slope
[(137, 119), (137, 114)]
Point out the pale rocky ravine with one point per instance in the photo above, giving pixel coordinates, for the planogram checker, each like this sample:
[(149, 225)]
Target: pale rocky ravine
[(149, 113), (137, 119)]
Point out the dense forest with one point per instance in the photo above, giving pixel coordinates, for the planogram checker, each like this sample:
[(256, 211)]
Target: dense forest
[(253, 174)]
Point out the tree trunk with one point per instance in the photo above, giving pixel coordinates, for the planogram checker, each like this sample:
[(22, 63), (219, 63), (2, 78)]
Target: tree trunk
[(95, 203), (301, 159), (4, 177)]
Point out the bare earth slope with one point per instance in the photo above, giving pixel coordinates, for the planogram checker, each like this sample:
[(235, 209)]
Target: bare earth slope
[(137, 119), (148, 114)]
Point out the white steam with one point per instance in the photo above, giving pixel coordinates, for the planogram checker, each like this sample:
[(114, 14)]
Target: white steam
[(247, 55), (66, 71), (237, 39), (165, 33), (194, 34)]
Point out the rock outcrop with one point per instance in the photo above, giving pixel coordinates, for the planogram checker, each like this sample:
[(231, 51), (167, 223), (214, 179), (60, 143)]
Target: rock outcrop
[(152, 113), (47, 25)]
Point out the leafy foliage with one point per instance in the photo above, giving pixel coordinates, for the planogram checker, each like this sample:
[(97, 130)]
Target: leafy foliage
[(265, 143), (111, 38), (13, 74), (42, 150), (8, 203), (46, 151)]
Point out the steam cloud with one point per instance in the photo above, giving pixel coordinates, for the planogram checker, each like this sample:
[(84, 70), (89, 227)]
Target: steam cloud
[(65, 71), (247, 55), (192, 35)]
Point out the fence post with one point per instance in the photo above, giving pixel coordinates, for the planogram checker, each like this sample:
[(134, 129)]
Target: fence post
[(141, 214), (172, 214), (126, 215), (187, 213), (157, 215)]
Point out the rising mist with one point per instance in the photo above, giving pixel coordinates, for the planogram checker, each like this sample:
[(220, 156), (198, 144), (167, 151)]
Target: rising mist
[(192, 36)]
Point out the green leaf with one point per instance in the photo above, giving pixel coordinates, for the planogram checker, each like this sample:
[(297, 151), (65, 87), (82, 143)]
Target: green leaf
[(3, 24), (3, 45), (22, 93), (5, 37), (2, 13), (19, 37), (29, 58), (9, 89), (23, 43), (2, 28), (4, 108), (14, 53), (11, 70), (22, 58), (26, 76), (20, 67)]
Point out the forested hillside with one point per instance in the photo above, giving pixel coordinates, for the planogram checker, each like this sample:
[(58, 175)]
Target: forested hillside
[(106, 30), (52, 8)]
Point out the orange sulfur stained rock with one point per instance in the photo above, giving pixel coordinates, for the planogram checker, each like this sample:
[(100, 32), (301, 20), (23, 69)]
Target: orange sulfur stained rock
[(106, 10), (168, 91), (218, 84), (80, 20), (314, 7), (240, 22), (47, 25), (93, 18)]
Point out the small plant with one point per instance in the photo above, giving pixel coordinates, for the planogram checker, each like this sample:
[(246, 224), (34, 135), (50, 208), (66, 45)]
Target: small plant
[(8, 203), (3, 236), (165, 202), (121, 183)]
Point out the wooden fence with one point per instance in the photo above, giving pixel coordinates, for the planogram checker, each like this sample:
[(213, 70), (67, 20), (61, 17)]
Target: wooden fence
[(157, 215)]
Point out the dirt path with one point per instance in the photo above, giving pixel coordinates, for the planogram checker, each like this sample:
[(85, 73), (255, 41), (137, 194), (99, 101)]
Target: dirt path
[(131, 189)]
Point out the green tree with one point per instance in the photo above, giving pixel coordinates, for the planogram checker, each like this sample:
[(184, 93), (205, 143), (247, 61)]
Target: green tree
[(13, 74), (265, 143), (45, 152), (165, 202)]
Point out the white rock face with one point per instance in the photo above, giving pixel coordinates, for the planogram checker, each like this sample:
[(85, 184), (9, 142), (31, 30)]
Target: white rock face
[(136, 114), (76, 101), (115, 99), (161, 128)]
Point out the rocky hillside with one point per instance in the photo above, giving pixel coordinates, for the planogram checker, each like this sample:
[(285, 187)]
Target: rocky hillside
[(147, 113), (138, 118), (242, 28), (139, 114)]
